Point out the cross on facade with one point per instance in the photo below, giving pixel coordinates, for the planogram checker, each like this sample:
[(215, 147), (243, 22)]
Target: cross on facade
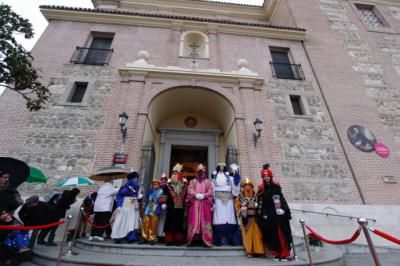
[(194, 53)]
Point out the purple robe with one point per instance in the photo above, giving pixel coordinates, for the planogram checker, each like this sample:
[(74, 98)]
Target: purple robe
[(199, 211)]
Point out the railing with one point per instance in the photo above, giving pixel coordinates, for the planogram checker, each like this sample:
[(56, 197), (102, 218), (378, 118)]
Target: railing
[(91, 56), (331, 214), (287, 71)]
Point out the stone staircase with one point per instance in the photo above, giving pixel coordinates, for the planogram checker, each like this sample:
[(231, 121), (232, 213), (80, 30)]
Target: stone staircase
[(108, 253)]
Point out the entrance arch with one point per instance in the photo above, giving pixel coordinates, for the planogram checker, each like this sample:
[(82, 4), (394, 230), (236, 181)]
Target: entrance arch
[(184, 119)]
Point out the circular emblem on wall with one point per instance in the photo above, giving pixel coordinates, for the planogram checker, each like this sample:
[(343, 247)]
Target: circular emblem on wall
[(190, 121), (361, 138), (382, 150)]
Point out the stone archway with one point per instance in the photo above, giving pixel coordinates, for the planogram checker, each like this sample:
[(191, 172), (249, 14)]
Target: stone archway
[(214, 128)]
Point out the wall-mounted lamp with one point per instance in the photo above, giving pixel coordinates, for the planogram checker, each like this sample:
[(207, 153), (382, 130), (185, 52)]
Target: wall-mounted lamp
[(123, 118), (258, 126)]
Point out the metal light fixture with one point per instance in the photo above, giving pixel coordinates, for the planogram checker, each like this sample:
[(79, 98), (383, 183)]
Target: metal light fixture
[(258, 126), (123, 118)]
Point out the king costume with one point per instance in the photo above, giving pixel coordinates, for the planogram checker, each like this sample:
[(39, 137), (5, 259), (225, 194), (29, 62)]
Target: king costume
[(127, 219), (176, 191), (200, 201), (274, 216), (225, 187)]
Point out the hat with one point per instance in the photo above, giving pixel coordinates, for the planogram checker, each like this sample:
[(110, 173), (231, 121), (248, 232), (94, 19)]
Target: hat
[(133, 175), (266, 172), (177, 168), (155, 180), (32, 199), (201, 167), (221, 164), (247, 181)]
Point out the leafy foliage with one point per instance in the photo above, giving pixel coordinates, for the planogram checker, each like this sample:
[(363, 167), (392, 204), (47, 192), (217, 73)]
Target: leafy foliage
[(16, 70), (313, 241)]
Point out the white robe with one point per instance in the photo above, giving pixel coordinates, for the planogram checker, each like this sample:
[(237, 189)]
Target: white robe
[(224, 212), (127, 218)]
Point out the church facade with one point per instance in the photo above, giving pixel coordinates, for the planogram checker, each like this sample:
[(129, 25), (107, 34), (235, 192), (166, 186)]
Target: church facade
[(309, 86)]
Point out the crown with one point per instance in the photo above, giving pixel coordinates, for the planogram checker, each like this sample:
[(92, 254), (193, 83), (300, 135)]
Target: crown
[(201, 167), (247, 181), (178, 168)]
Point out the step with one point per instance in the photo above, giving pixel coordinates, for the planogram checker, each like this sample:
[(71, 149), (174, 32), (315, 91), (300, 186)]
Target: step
[(159, 255)]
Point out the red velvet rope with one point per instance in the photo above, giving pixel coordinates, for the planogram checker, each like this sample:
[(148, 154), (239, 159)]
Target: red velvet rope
[(384, 235), (36, 227), (93, 225), (335, 242)]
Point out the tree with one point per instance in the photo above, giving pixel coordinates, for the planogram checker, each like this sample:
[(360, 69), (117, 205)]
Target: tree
[(16, 70)]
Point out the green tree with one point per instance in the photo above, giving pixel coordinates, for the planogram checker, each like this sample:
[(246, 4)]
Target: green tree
[(16, 70)]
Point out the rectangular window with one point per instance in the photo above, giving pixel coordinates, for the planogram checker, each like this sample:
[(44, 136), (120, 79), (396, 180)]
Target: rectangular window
[(297, 107), (98, 51), (78, 92), (282, 67), (369, 16)]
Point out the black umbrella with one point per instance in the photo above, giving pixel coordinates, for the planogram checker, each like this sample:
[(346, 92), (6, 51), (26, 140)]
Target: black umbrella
[(18, 170)]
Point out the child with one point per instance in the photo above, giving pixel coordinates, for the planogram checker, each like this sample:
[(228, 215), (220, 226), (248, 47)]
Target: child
[(153, 206), (16, 240)]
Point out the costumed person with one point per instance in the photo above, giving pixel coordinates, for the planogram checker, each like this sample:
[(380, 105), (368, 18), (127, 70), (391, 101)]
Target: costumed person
[(225, 187), (102, 209), (273, 219), (200, 201), (175, 224), (266, 171), (246, 208), (127, 217), (163, 215), (154, 203)]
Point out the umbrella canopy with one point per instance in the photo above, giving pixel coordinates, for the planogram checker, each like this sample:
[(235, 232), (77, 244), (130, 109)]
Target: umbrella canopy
[(18, 170), (36, 176), (76, 181), (112, 172)]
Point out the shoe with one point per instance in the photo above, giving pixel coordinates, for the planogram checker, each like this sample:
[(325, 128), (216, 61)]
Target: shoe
[(284, 259), (41, 243), (143, 241), (277, 258), (91, 238), (51, 244), (24, 250), (152, 242), (99, 238)]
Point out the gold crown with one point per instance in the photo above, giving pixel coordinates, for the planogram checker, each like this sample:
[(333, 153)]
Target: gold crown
[(155, 180), (247, 181), (201, 167), (178, 168)]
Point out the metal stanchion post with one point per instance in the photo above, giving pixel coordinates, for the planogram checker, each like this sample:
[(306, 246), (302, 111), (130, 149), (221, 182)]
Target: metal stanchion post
[(363, 223), (303, 227), (70, 251), (69, 217)]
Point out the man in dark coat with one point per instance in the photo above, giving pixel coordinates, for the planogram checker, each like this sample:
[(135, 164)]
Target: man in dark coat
[(57, 212), (32, 213), (273, 218)]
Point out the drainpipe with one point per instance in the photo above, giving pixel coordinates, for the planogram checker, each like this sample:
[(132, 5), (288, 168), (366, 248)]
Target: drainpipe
[(334, 126)]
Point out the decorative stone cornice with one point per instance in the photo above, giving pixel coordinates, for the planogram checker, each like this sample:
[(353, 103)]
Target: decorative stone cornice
[(169, 21), (140, 67)]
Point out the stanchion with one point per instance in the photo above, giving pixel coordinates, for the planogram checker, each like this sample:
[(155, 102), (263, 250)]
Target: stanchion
[(302, 222), (69, 217), (363, 223), (72, 243)]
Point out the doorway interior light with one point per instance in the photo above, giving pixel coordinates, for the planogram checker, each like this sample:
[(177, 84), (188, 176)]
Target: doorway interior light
[(258, 126), (123, 118)]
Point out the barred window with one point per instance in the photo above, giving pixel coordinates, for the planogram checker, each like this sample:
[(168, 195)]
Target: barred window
[(369, 16)]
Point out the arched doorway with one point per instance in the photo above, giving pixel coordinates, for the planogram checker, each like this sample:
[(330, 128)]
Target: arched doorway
[(189, 125)]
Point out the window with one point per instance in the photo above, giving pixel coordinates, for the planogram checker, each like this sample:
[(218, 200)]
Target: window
[(98, 53), (297, 107), (78, 92), (369, 16), (194, 44), (282, 67)]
